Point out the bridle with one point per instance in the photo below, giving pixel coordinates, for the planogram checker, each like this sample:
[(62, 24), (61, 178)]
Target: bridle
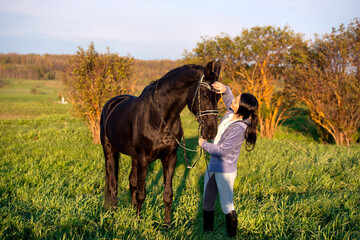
[(198, 116), (200, 113)]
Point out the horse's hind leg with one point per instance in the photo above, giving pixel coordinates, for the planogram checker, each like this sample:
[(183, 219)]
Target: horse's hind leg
[(111, 176)]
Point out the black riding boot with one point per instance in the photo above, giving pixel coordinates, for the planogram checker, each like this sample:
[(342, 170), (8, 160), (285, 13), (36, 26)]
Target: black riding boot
[(231, 223), (209, 220)]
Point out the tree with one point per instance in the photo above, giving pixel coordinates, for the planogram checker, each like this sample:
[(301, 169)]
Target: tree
[(254, 62), (327, 80), (92, 79)]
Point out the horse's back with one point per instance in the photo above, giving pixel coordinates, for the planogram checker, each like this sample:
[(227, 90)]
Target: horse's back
[(116, 119), (113, 102)]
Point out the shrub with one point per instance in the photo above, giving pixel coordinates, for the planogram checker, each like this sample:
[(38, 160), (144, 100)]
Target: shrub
[(92, 79), (327, 80)]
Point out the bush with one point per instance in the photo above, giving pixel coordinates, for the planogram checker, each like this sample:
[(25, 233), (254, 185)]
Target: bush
[(92, 79), (327, 80)]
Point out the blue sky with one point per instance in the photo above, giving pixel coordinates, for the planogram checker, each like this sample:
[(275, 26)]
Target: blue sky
[(155, 29)]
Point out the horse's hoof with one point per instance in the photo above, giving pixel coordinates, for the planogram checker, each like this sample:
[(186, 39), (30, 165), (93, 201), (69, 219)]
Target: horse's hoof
[(134, 204), (109, 207), (167, 226)]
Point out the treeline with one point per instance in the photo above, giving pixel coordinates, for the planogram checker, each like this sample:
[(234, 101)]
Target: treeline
[(284, 71), (32, 66), (51, 67)]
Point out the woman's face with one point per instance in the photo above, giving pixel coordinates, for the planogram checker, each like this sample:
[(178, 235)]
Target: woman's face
[(235, 104)]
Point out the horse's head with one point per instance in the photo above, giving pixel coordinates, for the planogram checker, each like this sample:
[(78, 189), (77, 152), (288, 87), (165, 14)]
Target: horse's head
[(203, 101)]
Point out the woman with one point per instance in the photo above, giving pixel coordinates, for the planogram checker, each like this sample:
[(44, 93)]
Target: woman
[(238, 124)]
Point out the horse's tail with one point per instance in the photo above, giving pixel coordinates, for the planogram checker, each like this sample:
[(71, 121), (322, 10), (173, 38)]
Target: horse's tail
[(102, 125), (106, 112)]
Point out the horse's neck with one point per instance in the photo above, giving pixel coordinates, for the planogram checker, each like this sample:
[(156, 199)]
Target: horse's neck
[(171, 102)]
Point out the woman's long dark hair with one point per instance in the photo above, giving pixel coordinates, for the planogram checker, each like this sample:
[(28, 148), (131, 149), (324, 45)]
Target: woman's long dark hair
[(248, 108)]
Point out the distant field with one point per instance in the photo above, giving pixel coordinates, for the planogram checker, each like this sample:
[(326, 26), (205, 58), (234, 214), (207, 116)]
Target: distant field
[(31, 98), (52, 179), (20, 90)]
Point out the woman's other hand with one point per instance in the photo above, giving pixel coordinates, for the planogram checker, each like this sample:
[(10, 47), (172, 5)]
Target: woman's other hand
[(201, 140), (219, 86)]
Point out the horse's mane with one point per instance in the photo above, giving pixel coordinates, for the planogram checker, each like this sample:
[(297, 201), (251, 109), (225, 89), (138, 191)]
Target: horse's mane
[(176, 71), (180, 69), (170, 75)]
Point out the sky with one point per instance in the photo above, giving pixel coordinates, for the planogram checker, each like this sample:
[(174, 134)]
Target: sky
[(155, 29)]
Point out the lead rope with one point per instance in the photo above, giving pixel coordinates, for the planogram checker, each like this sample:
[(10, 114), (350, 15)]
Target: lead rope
[(172, 134), (184, 147)]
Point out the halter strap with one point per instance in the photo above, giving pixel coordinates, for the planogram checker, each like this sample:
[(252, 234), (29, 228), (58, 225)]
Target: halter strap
[(205, 112)]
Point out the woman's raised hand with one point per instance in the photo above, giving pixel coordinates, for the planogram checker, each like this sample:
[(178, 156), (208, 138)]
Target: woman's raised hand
[(219, 86)]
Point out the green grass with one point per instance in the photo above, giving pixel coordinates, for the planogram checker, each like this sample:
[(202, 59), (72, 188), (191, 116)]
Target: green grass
[(52, 179)]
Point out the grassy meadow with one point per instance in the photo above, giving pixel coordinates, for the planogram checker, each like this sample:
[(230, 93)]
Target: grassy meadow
[(52, 179)]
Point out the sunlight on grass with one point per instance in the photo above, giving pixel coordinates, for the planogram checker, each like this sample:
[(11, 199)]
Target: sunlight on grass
[(52, 179)]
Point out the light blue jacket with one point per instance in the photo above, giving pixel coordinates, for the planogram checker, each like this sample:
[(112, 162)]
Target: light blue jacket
[(225, 154)]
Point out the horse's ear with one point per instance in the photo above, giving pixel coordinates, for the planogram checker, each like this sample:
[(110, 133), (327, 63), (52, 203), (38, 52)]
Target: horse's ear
[(217, 68), (208, 69)]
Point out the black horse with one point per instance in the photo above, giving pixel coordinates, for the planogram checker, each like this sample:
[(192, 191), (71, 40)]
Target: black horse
[(145, 128)]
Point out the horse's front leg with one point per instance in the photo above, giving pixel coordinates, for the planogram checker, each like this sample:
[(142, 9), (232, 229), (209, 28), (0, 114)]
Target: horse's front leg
[(142, 167), (133, 181), (169, 164)]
